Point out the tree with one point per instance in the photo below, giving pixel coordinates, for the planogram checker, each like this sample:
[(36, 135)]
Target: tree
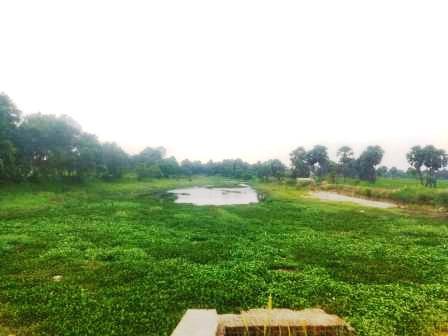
[(48, 145), (416, 159), (169, 167), (261, 169), (227, 167), (346, 159), (277, 168), (151, 155), (394, 172), (435, 159), (443, 174), (317, 159), (411, 172), (148, 162), (382, 171), (186, 167), (149, 171), (9, 120), (241, 169), (300, 167), (367, 162), (332, 172), (86, 156), (430, 157), (210, 167), (114, 161)]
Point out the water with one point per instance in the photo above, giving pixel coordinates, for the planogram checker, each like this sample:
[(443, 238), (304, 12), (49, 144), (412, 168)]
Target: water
[(216, 196), (330, 196)]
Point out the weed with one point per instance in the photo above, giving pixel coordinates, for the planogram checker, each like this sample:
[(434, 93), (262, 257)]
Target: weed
[(130, 263)]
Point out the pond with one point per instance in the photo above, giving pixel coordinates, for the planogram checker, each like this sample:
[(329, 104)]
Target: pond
[(243, 194)]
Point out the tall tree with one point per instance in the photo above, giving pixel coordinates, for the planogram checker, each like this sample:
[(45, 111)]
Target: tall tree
[(346, 158), (151, 155), (147, 162), (318, 160), (169, 167), (86, 156), (9, 120), (435, 159), (368, 160), (48, 144), (382, 171), (114, 161), (300, 167), (416, 158), (277, 168), (186, 167)]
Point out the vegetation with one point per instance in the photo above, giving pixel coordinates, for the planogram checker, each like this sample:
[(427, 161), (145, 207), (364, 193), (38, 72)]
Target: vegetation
[(430, 157), (43, 147), (346, 162), (367, 162), (317, 163), (401, 190), (130, 260), (91, 243)]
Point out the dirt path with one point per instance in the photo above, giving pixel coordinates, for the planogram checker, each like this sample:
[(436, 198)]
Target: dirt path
[(331, 196)]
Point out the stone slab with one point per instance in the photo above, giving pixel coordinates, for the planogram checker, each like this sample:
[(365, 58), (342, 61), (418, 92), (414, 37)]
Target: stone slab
[(197, 322)]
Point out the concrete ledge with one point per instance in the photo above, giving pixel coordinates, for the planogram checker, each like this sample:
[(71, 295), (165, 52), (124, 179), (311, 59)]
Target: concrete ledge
[(197, 322), (261, 322)]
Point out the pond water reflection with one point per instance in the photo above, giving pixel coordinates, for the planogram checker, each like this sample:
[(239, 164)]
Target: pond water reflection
[(216, 196)]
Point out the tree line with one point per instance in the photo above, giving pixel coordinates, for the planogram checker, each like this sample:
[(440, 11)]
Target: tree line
[(47, 147)]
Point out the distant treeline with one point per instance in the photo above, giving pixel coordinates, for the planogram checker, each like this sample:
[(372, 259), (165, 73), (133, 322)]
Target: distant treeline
[(47, 147)]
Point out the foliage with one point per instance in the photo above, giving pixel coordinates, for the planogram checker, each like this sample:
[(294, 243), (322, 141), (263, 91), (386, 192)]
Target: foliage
[(401, 190), (132, 262), (416, 158), (9, 119), (432, 158), (169, 167), (318, 161), (347, 161), (270, 169), (382, 171), (368, 160), (300, 167), (114, 159), (43, 147)]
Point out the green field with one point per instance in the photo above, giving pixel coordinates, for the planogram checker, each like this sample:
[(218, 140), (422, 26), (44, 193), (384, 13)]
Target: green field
[(393, 183), (132, 261), (401, 190)]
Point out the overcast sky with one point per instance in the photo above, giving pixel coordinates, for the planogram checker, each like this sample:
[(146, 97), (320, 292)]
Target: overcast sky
[(221, 79)]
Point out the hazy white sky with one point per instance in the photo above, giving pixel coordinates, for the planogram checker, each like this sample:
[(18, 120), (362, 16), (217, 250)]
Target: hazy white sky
[(250, 79)]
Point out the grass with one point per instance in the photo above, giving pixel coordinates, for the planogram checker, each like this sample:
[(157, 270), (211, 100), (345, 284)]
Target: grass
[(401, 190), (392, 183), (132, 261)]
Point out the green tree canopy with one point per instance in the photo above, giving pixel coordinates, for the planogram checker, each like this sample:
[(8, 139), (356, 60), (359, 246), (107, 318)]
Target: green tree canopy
[(317, 159), (114, 161), (416, 159), (346, 161), (435, 159), (299, 163), (9, 120), (48, 144), (367, 161)]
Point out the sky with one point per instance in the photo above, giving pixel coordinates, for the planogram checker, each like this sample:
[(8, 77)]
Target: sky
[(226, 79)]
